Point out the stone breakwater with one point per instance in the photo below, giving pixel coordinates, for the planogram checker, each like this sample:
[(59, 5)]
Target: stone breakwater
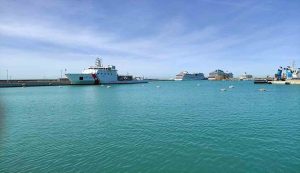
[(34, 82)]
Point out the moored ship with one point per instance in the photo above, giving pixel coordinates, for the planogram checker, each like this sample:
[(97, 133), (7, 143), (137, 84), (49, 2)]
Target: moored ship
[(285, 76), (246, 76), (288, 75), (99, 74), (220, 75), (189, 76)]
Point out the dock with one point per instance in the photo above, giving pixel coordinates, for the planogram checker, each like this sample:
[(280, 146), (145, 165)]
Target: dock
[(287, 82), (277, 82)]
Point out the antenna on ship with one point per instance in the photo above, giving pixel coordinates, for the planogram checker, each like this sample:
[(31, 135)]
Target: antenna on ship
[(293, 64), (98, 62)]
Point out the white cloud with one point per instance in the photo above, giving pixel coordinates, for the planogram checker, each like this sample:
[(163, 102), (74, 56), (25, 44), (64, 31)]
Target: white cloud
[(173, 47)]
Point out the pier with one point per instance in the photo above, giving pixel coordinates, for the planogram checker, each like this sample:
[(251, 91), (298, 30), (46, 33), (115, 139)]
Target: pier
[(287, 82), (277, 82)]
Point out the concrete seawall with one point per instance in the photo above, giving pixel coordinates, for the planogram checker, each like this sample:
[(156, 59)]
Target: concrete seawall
[(34, 82), (287, 82)]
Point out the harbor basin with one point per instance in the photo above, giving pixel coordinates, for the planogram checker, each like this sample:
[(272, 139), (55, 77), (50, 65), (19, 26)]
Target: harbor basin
[(167, 126)]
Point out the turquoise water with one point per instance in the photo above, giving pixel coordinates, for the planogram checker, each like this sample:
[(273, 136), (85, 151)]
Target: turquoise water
[(178, 127)]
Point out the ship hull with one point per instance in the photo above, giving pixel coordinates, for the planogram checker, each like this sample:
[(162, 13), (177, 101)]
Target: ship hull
[(189, 78), (81, 79), (90, 79)]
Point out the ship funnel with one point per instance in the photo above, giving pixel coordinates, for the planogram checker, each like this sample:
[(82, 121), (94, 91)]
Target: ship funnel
[(98, 62)]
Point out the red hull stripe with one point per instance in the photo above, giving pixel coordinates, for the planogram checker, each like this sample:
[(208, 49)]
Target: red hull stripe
[(97, 81)]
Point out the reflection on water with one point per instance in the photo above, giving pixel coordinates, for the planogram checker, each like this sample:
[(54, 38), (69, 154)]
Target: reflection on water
[(1, 116)]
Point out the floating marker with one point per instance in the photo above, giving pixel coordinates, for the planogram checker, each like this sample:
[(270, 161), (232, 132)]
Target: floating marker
[(262, 89)]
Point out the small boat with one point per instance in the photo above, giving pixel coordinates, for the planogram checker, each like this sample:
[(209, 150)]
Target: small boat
[(231, 86), (260, 81), (223, 89)]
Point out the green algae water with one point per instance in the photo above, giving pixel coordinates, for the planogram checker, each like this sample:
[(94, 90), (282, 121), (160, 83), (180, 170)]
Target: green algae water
[(177, 127)]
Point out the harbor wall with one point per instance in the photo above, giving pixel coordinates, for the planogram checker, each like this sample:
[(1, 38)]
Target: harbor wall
[(34, 82)]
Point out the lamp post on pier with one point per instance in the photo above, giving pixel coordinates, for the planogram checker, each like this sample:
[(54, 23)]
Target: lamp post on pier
[(7, 76)]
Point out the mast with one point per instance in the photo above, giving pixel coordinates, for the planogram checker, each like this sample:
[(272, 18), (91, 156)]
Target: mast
[(293, 64), (294, 70), (98, 62)]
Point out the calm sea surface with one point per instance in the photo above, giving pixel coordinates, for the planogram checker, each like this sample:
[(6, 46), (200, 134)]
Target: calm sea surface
[(177, 127)]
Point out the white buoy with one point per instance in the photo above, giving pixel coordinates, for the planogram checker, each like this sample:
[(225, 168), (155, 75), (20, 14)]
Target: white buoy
[(262, 89)]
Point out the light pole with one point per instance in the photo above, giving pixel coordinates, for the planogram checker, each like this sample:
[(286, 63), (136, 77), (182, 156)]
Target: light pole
[(7, 76)]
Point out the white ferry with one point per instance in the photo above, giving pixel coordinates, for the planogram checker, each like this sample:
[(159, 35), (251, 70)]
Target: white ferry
[(188, 76), (99, 74)]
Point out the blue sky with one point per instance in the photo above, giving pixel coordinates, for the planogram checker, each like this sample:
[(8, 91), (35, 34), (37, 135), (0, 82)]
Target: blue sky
[(153, 38)]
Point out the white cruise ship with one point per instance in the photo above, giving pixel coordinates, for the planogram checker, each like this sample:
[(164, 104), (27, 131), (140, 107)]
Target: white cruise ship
[(220, 75), (99, 74), (189, 76), (246, 76)]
